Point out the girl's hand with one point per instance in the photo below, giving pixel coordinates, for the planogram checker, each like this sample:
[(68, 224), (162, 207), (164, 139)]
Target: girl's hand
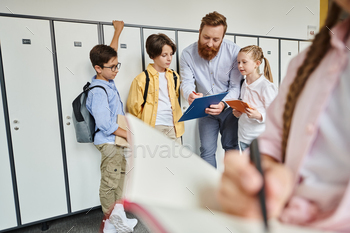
[(241, 182), (253, 113), (236, 113)]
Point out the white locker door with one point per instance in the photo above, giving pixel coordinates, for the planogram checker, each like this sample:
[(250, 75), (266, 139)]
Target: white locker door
[(190, 139), (271, 53), (73, 44), (170, 34), (7, 202), (243, 41), (129, 54), (303, 45), (32, 101), (229, 37), (289, 49)]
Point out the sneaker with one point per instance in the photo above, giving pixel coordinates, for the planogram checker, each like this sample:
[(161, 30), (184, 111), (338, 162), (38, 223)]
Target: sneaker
[(132, 222), (109, 227), (119, 219)]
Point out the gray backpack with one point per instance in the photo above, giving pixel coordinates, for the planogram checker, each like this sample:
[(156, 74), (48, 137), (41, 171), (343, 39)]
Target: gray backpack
[(83, 121)]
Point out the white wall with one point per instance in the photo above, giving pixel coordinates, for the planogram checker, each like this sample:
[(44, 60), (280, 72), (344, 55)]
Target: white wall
[(244, 17)]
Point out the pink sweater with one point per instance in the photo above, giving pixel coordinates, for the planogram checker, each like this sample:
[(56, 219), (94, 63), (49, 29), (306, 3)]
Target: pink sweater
[(310, 105)]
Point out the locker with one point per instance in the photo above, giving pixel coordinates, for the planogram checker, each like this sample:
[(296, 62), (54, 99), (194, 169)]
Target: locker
[(243, 41), (271, 52), (289, 49), (32, 103), (130, 57), (303, 45), (190, 138), (170, 34), (73, 44), (229, 37), (7, 202)]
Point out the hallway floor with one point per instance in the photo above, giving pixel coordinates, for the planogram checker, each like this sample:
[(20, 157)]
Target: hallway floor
[(80, 223)]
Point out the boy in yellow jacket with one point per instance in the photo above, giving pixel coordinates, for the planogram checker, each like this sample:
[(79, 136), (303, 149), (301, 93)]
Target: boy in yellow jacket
[(159, 106)]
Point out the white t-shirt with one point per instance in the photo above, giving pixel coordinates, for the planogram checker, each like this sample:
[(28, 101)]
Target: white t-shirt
[(325, 171), (259, 95), (164, 112)]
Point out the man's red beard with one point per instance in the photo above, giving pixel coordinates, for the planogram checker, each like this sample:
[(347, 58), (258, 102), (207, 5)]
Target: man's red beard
[(207, 54)]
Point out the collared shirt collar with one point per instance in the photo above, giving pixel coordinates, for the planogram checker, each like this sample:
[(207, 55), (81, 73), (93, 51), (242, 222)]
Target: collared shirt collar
[(153, 71)]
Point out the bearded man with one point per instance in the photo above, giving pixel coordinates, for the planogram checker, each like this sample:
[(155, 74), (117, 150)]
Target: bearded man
[(209, 67)]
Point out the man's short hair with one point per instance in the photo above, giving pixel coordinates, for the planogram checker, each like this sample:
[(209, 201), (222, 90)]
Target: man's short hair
[(101, 54), (155, 43), (214, 19)]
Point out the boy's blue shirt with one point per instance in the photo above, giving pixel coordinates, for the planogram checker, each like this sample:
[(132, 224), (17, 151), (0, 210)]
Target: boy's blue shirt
[(104, 111)]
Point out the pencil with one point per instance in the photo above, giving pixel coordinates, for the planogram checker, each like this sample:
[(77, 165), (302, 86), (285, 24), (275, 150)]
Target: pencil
[(255, 159)]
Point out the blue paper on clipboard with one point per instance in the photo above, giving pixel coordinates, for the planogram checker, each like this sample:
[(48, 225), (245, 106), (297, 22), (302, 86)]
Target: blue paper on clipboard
[(198, 106)]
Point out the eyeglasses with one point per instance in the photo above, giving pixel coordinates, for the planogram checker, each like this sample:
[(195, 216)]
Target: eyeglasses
[(115, 67)]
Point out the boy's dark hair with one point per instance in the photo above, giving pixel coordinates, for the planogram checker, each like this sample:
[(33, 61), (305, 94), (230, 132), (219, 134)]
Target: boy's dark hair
[(101, 54), (214, 19), (155, 43)]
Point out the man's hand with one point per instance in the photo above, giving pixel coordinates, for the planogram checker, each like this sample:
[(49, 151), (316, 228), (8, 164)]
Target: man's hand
[(215, 109), (241, 182), (194, 96)]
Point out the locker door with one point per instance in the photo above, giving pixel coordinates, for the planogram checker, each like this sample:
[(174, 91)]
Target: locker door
[(73, 44), (32, 101), (7, 202), (130, 57), (243, 41), (170, 34), (289, 49), (229, 37), (271, 52), (303, 45), (190, 139)]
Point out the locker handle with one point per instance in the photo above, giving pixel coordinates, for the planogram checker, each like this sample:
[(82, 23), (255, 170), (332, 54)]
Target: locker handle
[(16, 128)]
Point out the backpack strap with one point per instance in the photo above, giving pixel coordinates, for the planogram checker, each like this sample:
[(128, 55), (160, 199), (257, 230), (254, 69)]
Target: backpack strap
[(242, 81), (146, 88), (77, 113), (147, 84), (175, 79)]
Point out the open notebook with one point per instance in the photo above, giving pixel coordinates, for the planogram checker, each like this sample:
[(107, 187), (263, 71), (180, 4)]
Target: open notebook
[(171, 189)]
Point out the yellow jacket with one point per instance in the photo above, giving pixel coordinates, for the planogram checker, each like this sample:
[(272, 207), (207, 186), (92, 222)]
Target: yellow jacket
[(148, 113)]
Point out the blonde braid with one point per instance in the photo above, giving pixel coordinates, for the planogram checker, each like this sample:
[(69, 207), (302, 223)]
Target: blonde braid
[(317, 51)]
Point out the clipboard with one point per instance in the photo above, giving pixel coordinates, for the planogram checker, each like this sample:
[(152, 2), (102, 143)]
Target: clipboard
[(198, 106), (120, 141), (238, 105)]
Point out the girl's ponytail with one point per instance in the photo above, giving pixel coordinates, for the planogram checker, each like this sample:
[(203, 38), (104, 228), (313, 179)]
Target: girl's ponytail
[(267, 70)]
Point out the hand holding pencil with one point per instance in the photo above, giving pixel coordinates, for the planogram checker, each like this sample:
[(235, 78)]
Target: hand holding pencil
[(241, 183), (193, 95)]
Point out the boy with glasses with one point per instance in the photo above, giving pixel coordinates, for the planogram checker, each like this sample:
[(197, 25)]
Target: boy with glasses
[(104, 106)]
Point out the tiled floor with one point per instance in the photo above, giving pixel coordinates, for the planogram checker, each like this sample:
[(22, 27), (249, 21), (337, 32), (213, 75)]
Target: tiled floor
[(85, 222)]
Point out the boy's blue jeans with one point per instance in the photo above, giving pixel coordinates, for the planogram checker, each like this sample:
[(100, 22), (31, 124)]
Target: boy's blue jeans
[(209, 127)]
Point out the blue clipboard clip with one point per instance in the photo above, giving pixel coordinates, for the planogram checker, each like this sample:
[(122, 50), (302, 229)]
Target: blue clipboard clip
[(198, 106)]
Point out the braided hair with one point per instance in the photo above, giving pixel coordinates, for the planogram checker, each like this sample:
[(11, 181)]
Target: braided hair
[(312, 60)]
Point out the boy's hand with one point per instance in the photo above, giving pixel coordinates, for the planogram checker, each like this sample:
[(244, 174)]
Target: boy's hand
[(241, 182), (194, 96), (253, 113), (236, 113), (118, 26)]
